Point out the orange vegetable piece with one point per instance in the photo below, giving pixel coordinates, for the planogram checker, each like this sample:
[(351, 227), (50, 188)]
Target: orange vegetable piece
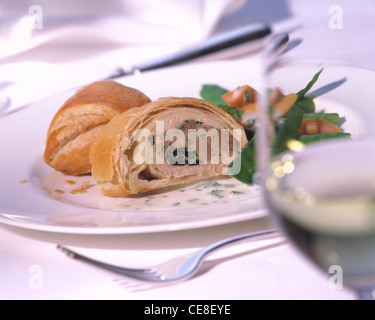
[(281, 102), (250, 107), (285, 103), (317, 126), (240, 97)]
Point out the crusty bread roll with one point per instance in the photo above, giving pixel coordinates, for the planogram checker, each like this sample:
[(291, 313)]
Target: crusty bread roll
[(81, 118), (122, 165)]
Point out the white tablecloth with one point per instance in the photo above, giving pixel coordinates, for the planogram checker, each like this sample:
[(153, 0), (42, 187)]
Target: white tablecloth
[(32, 268)]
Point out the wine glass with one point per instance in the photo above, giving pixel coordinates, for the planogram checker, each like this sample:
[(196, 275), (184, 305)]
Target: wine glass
[(316, 155)]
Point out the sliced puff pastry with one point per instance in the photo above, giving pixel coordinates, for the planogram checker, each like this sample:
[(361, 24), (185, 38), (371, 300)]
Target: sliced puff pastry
[(116, 154), (81, 118)]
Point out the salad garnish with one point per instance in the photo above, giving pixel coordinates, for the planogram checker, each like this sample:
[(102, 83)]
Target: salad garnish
[(294, 117)]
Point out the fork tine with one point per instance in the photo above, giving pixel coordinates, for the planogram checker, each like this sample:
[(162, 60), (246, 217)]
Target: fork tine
[(117, 269)]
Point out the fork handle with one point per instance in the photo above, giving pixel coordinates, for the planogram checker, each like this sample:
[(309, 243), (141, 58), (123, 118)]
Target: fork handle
[(198, 258), (241, 238)]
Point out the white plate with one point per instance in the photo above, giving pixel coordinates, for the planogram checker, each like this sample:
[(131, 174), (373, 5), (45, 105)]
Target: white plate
[(34, 205)]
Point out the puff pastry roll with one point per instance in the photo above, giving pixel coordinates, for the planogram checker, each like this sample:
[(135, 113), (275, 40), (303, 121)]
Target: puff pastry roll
[(165, 142), (78, 122)]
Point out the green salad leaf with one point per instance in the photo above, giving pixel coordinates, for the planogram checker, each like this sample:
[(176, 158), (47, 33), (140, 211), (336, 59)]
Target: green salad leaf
[(301, 94), (331, 117), (312, 138), (306, 104), (248, 164), (235, 112), (288, 130), (213, 94)]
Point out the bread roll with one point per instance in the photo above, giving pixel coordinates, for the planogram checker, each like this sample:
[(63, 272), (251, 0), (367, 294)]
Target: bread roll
[(81, 118), (150, 147)]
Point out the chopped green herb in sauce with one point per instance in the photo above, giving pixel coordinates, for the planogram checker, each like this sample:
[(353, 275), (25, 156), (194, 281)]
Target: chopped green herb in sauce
[(237, 192), (203, 193), (217, 193)]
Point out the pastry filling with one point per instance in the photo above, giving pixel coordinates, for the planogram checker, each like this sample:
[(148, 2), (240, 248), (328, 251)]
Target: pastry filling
[(189, 153), (194, 148), (183, 142)]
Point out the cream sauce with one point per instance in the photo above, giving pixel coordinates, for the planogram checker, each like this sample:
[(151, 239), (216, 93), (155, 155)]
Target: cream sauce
[(203, 193)]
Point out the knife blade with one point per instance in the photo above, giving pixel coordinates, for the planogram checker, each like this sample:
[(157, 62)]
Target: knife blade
[(254, 35)]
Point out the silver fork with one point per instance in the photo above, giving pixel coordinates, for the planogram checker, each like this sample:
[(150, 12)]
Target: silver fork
[(175, 269)]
